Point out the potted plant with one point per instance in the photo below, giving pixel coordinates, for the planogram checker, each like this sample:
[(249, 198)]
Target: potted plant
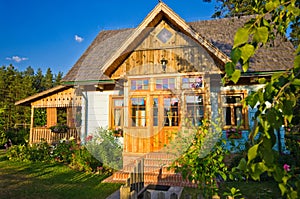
[(59, 128), (118, 132), (233, 133)]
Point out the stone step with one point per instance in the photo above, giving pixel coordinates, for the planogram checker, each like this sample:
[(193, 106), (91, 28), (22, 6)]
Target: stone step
[(156, 171)]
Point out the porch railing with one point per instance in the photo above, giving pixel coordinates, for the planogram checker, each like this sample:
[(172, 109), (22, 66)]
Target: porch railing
[(38, 134)]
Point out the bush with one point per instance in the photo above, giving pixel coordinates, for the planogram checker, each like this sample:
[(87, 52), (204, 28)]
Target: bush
[(18, 135), (106, 148), (66, 152)]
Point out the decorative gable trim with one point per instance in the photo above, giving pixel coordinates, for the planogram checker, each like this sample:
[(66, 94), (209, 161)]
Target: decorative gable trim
[(154, 17)]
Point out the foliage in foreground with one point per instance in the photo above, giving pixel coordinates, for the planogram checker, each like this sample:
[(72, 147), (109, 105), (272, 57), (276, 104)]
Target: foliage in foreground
[(276, 101), (205, 169)]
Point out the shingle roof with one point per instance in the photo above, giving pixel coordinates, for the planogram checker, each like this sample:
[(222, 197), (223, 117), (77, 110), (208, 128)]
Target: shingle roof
[(220, 32)]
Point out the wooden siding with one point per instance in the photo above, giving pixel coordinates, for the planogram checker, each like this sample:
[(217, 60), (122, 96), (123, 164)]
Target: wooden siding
[(143, 141), (66, 98), (182, 53), (39, 134)]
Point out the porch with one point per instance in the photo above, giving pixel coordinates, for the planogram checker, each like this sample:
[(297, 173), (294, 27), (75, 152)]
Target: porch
[(43, 133)]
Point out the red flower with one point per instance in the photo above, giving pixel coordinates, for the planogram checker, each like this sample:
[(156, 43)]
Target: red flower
[(287, 167)]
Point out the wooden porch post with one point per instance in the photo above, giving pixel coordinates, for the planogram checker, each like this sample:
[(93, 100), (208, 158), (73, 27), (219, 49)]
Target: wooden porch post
[(31, 125)]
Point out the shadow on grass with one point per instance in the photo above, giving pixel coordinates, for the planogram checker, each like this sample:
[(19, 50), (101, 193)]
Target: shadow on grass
[(49, 180)]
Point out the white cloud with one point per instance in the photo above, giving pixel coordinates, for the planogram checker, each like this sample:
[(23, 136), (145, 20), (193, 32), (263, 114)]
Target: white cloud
[(78, 39), (17, 58)]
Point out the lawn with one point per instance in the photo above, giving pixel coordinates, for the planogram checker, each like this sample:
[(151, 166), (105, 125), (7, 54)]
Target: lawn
[(44, 180)]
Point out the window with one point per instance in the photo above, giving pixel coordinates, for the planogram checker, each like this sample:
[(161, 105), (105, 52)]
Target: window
[(138, 112), (234, 115), (141, 84), (192, 82), (195, 109), (171, 112), (164, 35), (165, 83), (117, 114)]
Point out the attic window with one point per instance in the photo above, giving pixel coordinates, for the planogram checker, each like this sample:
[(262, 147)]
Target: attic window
[(164, 35)]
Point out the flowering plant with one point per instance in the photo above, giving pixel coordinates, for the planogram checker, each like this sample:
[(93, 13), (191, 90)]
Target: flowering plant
[(117, 132), (59, 128), (233, 133)]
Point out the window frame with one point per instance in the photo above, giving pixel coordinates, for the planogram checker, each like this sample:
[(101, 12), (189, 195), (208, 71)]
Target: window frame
[(194, 106), (189, 83), (112, 115), (244, 122), (168, 83), (146, 116), (138, 79)]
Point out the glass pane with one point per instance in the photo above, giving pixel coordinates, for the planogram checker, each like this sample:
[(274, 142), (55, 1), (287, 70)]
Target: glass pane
[(170, 112), (117, 117), (118, 102), (138, 111), (238, 115), (227, 115), (195, 109), (155, 111)]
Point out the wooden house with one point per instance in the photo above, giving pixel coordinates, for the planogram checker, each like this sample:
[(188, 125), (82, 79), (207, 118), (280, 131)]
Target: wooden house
[(151, 79)]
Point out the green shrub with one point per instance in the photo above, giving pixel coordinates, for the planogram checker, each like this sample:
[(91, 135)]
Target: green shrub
[(18, 153), (18, 135), (106, 148)]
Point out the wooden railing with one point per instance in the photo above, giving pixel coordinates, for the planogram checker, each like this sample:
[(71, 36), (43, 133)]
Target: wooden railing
[(38, 134), (135, 183)]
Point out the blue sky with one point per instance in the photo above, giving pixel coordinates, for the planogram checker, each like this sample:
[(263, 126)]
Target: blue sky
[(54, 33)]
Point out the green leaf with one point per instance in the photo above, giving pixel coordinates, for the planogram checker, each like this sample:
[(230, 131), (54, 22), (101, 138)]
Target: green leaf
[(235, 55), (247, 51), (229, 68), (241, 37), (236, 76), (261, 35), (282, 188), (242, 165), (296, 82), (245, 66), (252, 152), (271, 5), (262, 80)]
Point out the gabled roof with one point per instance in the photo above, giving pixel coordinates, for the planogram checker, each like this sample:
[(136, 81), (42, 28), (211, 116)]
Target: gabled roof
[(110, 47), (40, 95)]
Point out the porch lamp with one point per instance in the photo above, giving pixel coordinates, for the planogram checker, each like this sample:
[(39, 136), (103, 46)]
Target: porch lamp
[(164, 64)]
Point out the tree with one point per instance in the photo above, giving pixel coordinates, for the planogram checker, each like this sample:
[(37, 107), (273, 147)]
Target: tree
[(48, 80), (231, 8), (276, 101), (58, 78)]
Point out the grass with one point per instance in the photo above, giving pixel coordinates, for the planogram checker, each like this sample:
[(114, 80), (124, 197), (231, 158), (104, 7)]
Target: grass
[(47, 180)]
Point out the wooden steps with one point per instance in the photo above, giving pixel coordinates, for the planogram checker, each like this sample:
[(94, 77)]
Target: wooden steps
[(156, 171)]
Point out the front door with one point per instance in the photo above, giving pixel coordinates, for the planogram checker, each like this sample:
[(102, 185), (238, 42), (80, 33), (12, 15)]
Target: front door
[(165, 120)]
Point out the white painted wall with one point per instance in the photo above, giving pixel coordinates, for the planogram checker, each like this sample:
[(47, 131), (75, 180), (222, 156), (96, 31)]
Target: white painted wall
[(95, 111)]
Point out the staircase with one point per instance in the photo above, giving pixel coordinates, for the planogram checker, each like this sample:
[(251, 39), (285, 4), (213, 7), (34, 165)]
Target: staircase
[(155, 171)]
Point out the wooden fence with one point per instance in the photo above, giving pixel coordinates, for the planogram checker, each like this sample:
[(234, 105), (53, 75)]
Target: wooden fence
[(38, 134)]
